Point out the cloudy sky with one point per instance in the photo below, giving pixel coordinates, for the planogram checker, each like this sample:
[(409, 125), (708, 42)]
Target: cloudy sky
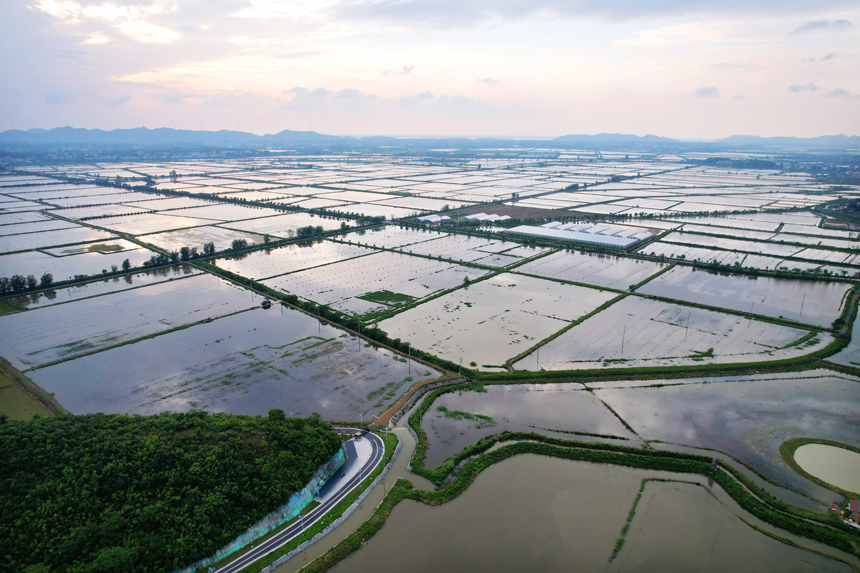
[(679, 68)]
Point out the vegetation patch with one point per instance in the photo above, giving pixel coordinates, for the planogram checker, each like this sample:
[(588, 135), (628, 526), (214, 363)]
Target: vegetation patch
[(132, 493), (787, 449), (388, 298), (480, 420)]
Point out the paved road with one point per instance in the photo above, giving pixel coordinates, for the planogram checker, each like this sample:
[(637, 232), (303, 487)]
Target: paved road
[(316, 513)]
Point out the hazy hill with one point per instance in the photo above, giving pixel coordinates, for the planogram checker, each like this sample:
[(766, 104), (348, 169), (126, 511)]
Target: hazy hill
[(181, 138)]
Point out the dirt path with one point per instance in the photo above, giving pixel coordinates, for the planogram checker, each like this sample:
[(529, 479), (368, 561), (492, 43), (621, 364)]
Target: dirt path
[(385, 418)]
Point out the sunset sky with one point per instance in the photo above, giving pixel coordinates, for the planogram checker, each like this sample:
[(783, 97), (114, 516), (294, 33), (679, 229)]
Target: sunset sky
[(696, 69)]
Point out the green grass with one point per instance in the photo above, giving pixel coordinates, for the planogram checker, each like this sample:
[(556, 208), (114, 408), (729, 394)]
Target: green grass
[(387, 297), (18, 405), (787, 449), (481, 421), (8, 307)]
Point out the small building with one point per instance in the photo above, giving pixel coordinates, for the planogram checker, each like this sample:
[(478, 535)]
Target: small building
[(854, 510), (434, 219)]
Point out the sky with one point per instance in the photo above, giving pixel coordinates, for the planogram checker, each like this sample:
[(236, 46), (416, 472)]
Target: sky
[(689, 69)]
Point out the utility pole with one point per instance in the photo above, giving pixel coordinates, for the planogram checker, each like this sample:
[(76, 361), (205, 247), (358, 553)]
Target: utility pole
[(623, 334)]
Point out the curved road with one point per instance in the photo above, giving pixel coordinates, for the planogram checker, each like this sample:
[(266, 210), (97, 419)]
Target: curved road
[(316, 513)]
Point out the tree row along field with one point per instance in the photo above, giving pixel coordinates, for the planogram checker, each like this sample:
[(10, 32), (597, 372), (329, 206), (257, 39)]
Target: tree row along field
[(105, 493)]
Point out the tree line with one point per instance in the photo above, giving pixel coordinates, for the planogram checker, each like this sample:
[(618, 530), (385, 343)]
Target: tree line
[(104, 493)]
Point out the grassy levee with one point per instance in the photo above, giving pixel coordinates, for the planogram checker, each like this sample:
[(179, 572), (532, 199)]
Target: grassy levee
[(718, 235), (808, 275), (787, 449), (759, 317), (439, 474), (510, 362), (337, 318), (9, 307), (132, 341), (844, 540), (30, 399), (532, 377), (659, 273)]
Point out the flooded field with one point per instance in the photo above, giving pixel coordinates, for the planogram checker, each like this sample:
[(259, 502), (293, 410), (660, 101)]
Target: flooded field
[(246, 363), (493, 320), (836, 466), (747, 418), (462, 247), (391, 236), (102, 287), (64, 267), (35, 227), (28, 241), (811, 302), (196, 237), (291, 258), (686, 527), (561, 410), (43, 335), (151, 223), (595, 269), (532, 513), (643, 332), (340, 284), (283, 226)]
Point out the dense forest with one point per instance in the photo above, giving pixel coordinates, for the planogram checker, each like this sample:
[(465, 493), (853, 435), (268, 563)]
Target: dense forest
[(100, 493)]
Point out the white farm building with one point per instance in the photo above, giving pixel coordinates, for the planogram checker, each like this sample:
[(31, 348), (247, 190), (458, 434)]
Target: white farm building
[(606, 235)]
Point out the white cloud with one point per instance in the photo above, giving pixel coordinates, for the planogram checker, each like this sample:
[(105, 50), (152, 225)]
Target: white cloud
[(96, 38), (839, 92), (129, 20), (707, 92), (672, 36), (145, 32), (819, 25), (797, 88)]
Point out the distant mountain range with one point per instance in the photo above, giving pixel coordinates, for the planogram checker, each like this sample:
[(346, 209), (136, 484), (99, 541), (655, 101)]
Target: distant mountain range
[(179, 138)]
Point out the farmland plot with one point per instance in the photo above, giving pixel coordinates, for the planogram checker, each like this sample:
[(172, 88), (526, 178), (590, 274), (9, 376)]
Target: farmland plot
[(759, 248), (340, 284), (101, 210), (79, 234), (283, 226), (493, 320), (811, 302), (100, 199), (291, 258), (37, 337), (377, 210), (246, 363), (594, 269), (67, 266), (748, 417), (103, 286), (556, 410), (23, 217), (221, 212), (461, 247), (151, 223), (35, 227), (640, 332), (391, 236), (199, 236)]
